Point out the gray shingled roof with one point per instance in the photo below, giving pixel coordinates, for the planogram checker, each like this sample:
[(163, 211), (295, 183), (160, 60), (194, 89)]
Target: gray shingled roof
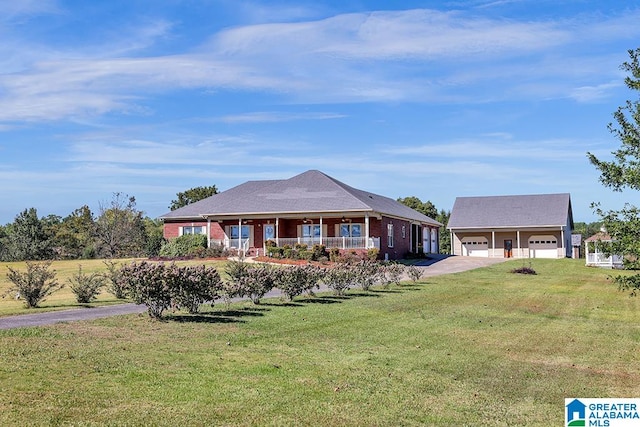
[(309, 192), (536, 210)]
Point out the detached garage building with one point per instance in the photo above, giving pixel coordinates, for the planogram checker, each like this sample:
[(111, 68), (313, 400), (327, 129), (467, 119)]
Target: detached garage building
[(529, 226)]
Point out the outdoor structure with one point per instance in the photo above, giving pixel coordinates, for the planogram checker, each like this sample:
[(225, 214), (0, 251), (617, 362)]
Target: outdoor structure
[(595, 255), (310, 208), (525, 226)]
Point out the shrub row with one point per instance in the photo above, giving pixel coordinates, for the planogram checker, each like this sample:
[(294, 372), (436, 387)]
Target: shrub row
[(161, 286)]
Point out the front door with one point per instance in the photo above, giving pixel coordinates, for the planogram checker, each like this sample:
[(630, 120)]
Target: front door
[(508, 248)]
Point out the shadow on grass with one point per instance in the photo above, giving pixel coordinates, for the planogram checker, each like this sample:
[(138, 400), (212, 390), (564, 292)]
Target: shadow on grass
[(202, 318), (226, 316), (282, 304)]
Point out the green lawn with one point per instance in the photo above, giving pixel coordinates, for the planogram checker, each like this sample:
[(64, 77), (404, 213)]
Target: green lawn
[(64, 299), (479, 348)]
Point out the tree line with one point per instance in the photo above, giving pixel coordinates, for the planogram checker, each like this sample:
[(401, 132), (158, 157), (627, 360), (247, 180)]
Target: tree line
[(118, 230)]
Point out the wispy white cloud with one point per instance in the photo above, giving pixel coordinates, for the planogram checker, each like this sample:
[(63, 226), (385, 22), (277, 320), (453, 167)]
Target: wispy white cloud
[(276, 117), (415, 55), (497, 146)]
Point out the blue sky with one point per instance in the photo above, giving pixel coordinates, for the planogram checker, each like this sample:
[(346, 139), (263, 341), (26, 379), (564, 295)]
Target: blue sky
[(434, 99)]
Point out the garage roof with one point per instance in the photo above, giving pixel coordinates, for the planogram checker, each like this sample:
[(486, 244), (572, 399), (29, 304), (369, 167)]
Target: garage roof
[(537, 210)]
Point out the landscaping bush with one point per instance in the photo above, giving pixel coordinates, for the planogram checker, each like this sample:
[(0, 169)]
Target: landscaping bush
[(372, 254), (249, 280), (334, 254), (296, 280), (319, 252), (115, 286), (34, 285), (523, 270), (194, 286), (86, 287), (187, 245), (392, 273), (415, 273), (339, 278), (149, 284), (367, 273)]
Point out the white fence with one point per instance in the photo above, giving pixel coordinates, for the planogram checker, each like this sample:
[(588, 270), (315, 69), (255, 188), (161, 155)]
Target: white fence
[(601, 260), (333, 242)]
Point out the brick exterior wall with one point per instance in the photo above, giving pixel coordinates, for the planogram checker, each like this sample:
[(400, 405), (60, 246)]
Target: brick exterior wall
[(289, 228)]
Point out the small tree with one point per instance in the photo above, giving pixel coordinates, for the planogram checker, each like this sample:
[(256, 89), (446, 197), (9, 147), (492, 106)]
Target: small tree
[(194, 285), (253, 280), (298, 279), (149, 284), (192, 195), (624, 172), (86, 286), (33, 285), (115, 285)]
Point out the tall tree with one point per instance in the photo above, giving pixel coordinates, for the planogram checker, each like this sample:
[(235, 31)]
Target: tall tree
[(192, 195), (445, 236), (27, 237), (427, 208), (624, 172), (75, 235), (119, 229)]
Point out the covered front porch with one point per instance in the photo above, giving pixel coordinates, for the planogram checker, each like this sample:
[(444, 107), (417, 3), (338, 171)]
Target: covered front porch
[(253, 235)]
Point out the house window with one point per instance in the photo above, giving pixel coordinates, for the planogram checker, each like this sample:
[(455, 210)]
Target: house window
[(193, 230), (350, 230), (269, 232), (390, 235), (310, 230), (233, 232)]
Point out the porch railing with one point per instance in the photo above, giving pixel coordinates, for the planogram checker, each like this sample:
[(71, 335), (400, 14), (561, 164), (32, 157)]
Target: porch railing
[(332, 242), (601, 260)]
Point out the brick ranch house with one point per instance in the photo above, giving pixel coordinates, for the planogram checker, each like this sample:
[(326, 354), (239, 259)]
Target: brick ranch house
[(523, 226), (310, 208)]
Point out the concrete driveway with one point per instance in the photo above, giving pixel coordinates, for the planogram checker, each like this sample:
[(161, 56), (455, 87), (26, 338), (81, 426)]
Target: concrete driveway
[(437, 265)]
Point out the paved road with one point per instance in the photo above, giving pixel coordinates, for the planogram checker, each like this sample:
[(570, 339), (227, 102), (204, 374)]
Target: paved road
[(433, 267)]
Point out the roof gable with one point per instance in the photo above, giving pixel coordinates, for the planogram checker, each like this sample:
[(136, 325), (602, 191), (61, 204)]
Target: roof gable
[(308, 192), (538, 210)]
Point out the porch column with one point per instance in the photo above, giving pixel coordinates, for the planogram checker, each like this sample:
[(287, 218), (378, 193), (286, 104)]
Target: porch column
[(518, 239), (564, 250), (321, 229), (239, 235), (209, 232), (366, 231), (452, 250), (493, 243), (277, 231), (586, 252)]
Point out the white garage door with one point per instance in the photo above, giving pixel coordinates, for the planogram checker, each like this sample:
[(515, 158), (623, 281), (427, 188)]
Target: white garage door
[(475, 246), (543, 247)]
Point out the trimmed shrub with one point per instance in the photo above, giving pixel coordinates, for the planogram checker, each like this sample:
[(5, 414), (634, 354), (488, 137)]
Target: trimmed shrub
[(296, 280), (372, 254), (415, 273), (250, 280), (115, 286), (149, 284), (392, 273), (34, 285), (339, 278), (86, 287), (194, 286), (187, 245)]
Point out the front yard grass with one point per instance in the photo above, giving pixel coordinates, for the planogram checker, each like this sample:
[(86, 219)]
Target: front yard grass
[(65, 299), (485, 347)]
